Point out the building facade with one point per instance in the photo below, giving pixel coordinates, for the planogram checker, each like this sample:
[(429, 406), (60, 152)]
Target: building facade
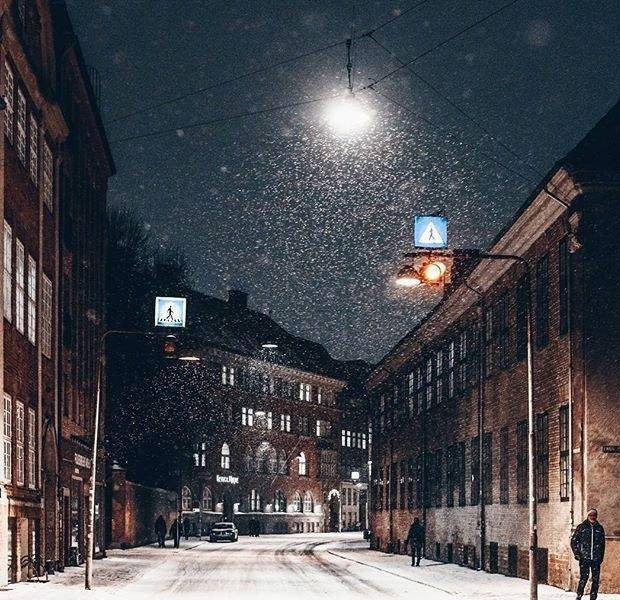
[(33, 64), (449, 402)]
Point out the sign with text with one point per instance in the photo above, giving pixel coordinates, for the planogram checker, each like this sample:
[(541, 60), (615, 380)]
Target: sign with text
[(227, 479), (430, 232), (611, 449), (170, 312)]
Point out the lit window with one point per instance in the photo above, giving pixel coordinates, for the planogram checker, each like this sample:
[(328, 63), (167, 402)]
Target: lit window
[(8, 438), (9, 97), (319, 395), (32, 450), (46, 317), (323, 428), (21, 126), (47, 176), (186, 499), (20, 282), (228, 375), (308, 503), (225, 457), (34, 150), (343, 438), (285, 423), (363, 441), (279, 501), (255, 501), (32, 300), (247, 416), (302, 464), (305, 390), (348, 439), (19, 443), (8, 270), (207, 499), (297, 502)]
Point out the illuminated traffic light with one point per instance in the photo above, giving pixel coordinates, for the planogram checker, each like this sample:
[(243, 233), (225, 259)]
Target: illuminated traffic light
[(427, 269), (170, 346)]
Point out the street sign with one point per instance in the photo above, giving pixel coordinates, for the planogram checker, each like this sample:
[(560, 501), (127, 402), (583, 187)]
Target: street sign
[(611, 449), (170, 312), (430, 232)]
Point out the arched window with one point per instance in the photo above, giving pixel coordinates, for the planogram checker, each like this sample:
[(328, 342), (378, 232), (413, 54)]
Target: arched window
[(225, 457), (186, 498), (207, 499), (279, 501), (297, 502), (266, 458), (272, 460), (302, 464), (255, 501), (308, 502), (248, 459), (282, 462)]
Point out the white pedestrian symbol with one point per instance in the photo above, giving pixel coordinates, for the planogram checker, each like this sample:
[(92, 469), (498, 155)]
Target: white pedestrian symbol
[(431, 235)]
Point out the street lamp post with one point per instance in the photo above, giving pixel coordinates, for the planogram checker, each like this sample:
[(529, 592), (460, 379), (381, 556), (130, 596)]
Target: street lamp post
[(410, 276)]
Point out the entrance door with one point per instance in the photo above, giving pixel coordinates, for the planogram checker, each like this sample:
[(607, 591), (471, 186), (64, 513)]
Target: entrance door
[(334, 512)]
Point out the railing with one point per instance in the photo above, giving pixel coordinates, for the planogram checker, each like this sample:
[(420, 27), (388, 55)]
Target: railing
[(36, 568)]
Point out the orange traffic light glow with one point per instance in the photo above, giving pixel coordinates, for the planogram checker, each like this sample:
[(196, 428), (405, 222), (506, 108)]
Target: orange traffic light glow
[(408, 277), (433, 271)]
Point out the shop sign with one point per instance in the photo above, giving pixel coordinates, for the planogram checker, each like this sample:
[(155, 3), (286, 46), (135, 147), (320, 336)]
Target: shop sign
[(81, 461), (227, 479)]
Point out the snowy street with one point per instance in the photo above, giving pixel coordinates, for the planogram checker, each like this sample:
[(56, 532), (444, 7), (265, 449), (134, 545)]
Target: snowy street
[(291, 566)]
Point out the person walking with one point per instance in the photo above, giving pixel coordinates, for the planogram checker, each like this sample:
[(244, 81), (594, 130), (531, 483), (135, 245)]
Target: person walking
[(186, 527), (175, 532), (588, 546), (160, 531), (415, 539)]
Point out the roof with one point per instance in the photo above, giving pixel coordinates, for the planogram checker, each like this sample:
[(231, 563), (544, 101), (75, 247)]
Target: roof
[(241, 330), (598, 151)]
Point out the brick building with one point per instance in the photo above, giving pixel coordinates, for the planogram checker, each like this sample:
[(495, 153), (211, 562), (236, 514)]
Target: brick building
[(466, 475), (34, 66)]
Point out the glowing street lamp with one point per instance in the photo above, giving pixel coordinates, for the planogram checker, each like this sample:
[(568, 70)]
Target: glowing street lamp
[(348, 116), (408, 277)]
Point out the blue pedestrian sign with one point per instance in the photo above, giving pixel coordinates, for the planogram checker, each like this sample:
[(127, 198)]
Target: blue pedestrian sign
[(170, 312), (430, 232)]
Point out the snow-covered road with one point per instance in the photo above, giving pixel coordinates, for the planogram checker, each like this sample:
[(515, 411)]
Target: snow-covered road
[(276, 568)]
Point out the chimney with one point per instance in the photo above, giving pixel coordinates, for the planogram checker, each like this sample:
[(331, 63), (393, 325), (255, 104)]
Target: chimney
[(237, 299)]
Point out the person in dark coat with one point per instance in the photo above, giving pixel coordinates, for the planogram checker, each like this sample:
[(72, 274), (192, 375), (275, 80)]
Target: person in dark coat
[(175, 532), (415, 538), (186, 527), (160, 531), (588, 546)]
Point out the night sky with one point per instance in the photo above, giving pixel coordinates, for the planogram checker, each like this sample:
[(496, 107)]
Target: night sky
[(310, 223)]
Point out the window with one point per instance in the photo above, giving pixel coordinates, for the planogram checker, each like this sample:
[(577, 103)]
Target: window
[(46, 316), (8, 438), (305, 390), (279, 501), (348, 439), (522, 466), (302, 466), (225, 457), (200, 456), (450, 475), (19, 442), (247, 416), (9, 96), (34, 150), (421, 389), (207, 499), (319, 395), (504, 458), (308, 503), (489, 361), (8, 271), (47, 177), (462, 373), (32, 450), (542, 301), (564, 454), (564, 268), (429, 383), (501, 331), (411, 392), (323, 428), (451, 365), (186, 499), (363, 441), (542, 457), (21, 126), (297, 502), (304, 425), (487, 464), (461, 473), (264, 419), (521, 321), (282, 469), (439, 388), (475, 471), (285, 423), (32, 300), (20, 282), (228, 375), (255, 501)]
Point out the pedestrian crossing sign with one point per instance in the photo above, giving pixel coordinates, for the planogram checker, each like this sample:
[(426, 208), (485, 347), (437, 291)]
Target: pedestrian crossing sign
[(170, 312), (430, 232)]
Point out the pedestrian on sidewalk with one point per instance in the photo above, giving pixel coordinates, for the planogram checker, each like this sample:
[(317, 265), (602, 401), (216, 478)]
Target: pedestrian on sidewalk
[(175, 532), (186, 527), (415, 539), (588, 546), (160, 531)]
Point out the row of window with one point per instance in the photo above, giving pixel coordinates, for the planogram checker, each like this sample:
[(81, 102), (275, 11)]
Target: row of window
[(262, 419), (428, 479), (352, 439), (252, 380), (454, 368), (19, 441), (22, 129), (254, 502), (20, 276)]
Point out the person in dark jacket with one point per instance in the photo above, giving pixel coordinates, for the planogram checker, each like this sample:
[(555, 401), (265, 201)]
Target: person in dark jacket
[(588, 546), (160, 531), (186, 527), (175, 532), (415, 538)]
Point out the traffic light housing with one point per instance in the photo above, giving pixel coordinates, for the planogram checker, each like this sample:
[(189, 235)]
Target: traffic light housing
[(428, 268), (170, 346)]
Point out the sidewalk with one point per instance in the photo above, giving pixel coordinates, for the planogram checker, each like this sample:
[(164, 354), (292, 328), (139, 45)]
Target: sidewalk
[(462, 582)]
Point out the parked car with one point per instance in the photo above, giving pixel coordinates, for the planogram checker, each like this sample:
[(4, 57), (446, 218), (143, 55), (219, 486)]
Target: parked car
[(224, 531)]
